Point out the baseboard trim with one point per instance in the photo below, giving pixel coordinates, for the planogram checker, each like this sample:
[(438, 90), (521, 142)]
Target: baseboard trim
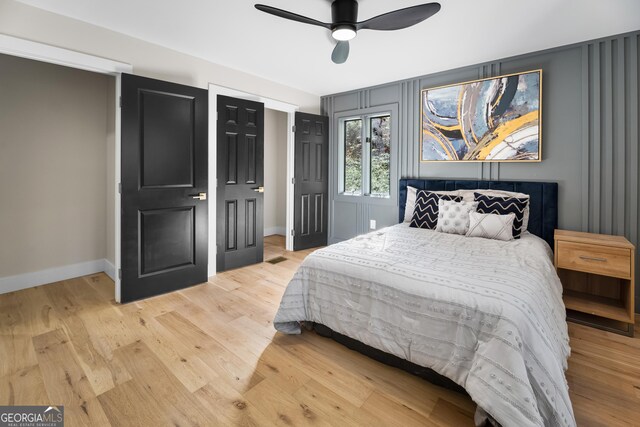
[(51, 275), (109, 269), (274, 230)]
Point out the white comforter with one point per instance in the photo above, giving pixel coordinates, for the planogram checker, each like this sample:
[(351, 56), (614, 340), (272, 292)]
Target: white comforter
[(486, 314)]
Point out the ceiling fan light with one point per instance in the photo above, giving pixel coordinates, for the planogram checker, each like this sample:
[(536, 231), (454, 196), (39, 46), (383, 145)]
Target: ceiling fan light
[(343, 32)]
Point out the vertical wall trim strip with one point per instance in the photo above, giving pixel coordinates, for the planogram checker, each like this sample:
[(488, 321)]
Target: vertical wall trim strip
[(417, 125), (608, 140), (634, 134), (414, 158), (619, 115), (596, 166), (407, 104), (408, 118), (634, 95), (586, 159), (408, 123), (411, 149), (481, 75), (403, 128)]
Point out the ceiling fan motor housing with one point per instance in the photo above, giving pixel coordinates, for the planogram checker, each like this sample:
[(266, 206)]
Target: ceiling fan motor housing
[(344, 14)]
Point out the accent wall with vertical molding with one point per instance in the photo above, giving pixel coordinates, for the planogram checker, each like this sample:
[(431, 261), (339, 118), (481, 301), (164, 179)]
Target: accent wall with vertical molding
[(590, 128)]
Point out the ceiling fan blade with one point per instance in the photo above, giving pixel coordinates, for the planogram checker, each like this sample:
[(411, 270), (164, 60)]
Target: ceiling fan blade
[(401, 18), (290, 15), (340, 52)]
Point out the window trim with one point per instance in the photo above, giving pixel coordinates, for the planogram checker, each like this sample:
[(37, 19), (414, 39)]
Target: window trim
[(368, 132), (341, 153), (365, 157), (365, 114)]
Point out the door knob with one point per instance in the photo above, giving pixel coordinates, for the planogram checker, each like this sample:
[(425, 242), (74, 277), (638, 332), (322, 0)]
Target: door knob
[(259, 190), (199, 196)]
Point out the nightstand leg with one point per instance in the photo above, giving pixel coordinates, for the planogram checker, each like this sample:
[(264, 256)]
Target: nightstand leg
[(630, 329)]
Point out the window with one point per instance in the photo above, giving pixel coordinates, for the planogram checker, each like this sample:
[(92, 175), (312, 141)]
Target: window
[(366, 153)]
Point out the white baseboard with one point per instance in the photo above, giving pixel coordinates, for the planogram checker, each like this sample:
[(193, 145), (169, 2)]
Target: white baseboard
[(110, 269), (50, 275), (274, 230)]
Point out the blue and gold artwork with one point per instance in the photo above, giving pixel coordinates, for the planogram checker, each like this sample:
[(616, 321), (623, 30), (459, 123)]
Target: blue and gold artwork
[(496, 119)]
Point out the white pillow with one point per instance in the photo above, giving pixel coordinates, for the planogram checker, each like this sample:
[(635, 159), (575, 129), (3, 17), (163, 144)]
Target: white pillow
[(410, 204), (453, 217), (491, 226)]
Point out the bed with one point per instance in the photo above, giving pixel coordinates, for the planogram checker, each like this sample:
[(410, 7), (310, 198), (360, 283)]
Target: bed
[(486, 314)]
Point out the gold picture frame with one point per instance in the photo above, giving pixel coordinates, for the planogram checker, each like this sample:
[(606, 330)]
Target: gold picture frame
[(510, 123)]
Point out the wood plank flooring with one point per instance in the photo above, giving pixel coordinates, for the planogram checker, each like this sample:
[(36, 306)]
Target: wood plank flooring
[(209, 355)]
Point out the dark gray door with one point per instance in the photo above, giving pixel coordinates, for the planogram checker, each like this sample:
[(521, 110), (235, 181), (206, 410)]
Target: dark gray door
[(240, 201), (164, 166), (311, 181)]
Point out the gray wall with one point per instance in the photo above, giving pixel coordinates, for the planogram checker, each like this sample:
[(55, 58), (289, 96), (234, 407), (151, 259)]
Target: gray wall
[(590, 133)]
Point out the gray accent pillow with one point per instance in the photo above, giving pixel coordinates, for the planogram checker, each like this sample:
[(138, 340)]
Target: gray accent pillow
[(453, 217)]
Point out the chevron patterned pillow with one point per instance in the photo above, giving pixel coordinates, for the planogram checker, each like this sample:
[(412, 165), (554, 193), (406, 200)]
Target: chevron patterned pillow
[(491, 226), (425, 213), (504, 206)]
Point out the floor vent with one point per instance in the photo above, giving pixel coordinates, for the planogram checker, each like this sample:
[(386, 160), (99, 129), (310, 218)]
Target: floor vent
[(276, 260)]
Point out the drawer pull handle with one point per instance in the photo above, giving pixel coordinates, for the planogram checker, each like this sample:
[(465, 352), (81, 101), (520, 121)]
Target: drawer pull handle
[(593, 258)]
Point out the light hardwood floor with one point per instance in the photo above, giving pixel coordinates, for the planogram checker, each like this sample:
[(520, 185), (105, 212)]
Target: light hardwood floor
[(209, 355)]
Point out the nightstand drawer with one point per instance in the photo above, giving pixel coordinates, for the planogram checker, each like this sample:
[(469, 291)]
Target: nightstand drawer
[(596, 259)]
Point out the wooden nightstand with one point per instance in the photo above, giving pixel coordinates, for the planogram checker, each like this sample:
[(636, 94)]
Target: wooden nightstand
[(598, 276)]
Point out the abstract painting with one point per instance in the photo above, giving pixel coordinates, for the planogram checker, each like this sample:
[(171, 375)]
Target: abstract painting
[(494, 119)]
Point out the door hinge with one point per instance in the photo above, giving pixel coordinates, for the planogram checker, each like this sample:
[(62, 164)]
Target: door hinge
[(120, 273), (293, 129), (293, 232), (120, 102), (217, 116), (293, 181), (120, 187)]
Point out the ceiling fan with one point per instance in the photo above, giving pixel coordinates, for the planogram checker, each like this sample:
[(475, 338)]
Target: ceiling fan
[(344, 21)]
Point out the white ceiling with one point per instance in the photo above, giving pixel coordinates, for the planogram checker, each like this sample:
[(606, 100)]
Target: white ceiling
[(233, 33)]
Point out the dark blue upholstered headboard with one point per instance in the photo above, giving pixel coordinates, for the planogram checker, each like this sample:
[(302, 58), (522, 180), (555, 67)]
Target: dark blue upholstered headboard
[(543, 203)]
